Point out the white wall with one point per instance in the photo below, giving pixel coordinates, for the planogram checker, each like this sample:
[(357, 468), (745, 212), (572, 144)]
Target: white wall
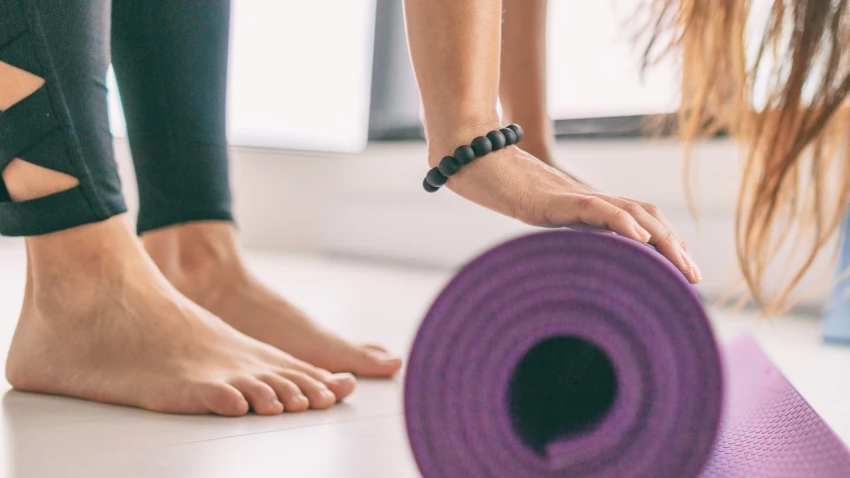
[(371, 204)]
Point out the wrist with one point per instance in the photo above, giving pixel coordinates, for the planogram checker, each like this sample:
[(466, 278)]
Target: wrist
[(446, 134), (482, 145)]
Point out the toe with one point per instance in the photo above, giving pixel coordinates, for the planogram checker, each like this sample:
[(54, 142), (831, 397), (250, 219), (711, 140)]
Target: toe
[(318, 393), (260, 395), (374, 361), (341, 384), (223, 399), (287, 392)]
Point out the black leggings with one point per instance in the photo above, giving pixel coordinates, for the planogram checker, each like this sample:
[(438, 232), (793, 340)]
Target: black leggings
[(170, 59)]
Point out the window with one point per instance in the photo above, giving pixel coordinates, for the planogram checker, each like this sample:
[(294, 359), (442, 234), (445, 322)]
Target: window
[(594, 69), (594, 79), (299, 77)]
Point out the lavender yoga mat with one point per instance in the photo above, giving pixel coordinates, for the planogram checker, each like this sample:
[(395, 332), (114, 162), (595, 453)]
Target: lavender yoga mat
[(569, 353)]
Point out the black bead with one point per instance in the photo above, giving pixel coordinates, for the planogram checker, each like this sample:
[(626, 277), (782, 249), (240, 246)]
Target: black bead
[(517, 129), (510, 136), (448, 166), (481, 146), (435, 177), (464, 154), (428, 187), (497, 139)]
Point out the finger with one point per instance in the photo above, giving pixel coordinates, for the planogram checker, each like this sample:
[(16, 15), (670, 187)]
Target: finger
[(572, 208), (663, 237), (655, 212)]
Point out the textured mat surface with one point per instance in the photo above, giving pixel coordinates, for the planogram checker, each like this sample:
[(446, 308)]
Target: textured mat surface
[(571, 353)]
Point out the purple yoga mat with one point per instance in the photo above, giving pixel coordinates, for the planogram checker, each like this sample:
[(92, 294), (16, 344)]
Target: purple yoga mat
[(576, 353)]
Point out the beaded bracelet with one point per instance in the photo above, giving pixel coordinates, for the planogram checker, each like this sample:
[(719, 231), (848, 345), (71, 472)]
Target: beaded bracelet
[(480, 146)]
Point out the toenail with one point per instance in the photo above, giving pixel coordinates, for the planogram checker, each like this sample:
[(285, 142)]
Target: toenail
[(382, 356), (340, 377), (302, 398), (328, 394)]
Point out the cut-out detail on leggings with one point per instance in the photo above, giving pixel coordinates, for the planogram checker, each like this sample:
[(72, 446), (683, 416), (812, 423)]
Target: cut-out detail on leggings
[(16, 84), (26, 181), (59, 126)]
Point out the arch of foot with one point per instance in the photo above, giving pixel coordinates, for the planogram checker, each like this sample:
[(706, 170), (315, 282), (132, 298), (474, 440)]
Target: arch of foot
[(37, 173)]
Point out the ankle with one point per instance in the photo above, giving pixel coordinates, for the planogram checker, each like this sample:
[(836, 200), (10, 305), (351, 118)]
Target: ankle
[(196, 254), (69, 268), (90, 249)]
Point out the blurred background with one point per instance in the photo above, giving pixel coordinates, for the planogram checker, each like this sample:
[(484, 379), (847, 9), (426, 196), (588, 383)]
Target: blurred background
[(328, 152)]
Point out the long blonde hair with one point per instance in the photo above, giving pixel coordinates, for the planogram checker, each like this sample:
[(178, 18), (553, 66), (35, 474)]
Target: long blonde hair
[(779, 81)]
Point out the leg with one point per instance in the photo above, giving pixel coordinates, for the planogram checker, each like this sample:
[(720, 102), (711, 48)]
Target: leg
[(50, 138), (172, 91), (170, 59), (99, 321)]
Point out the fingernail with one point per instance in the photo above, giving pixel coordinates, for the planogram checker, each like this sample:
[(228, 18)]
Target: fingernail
[(697, 272), (642, 233), (694, 269)]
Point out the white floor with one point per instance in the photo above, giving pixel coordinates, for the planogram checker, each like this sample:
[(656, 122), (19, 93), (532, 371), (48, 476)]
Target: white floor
[(44, 436)]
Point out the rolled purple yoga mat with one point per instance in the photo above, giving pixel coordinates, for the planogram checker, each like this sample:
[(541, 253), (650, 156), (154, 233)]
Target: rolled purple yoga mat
[(569, 353)]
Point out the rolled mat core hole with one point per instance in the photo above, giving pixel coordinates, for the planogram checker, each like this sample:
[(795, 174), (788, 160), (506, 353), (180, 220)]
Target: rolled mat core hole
[(562, 386)]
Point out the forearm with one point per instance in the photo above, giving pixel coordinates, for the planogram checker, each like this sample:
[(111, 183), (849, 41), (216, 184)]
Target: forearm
[(455, 48), (523, 70)]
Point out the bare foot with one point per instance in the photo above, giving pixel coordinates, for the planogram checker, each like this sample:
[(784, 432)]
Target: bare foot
[(203, 261), (100, 322)]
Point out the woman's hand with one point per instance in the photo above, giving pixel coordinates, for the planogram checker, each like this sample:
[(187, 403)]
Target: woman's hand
[(456, 48), (517, 184)]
